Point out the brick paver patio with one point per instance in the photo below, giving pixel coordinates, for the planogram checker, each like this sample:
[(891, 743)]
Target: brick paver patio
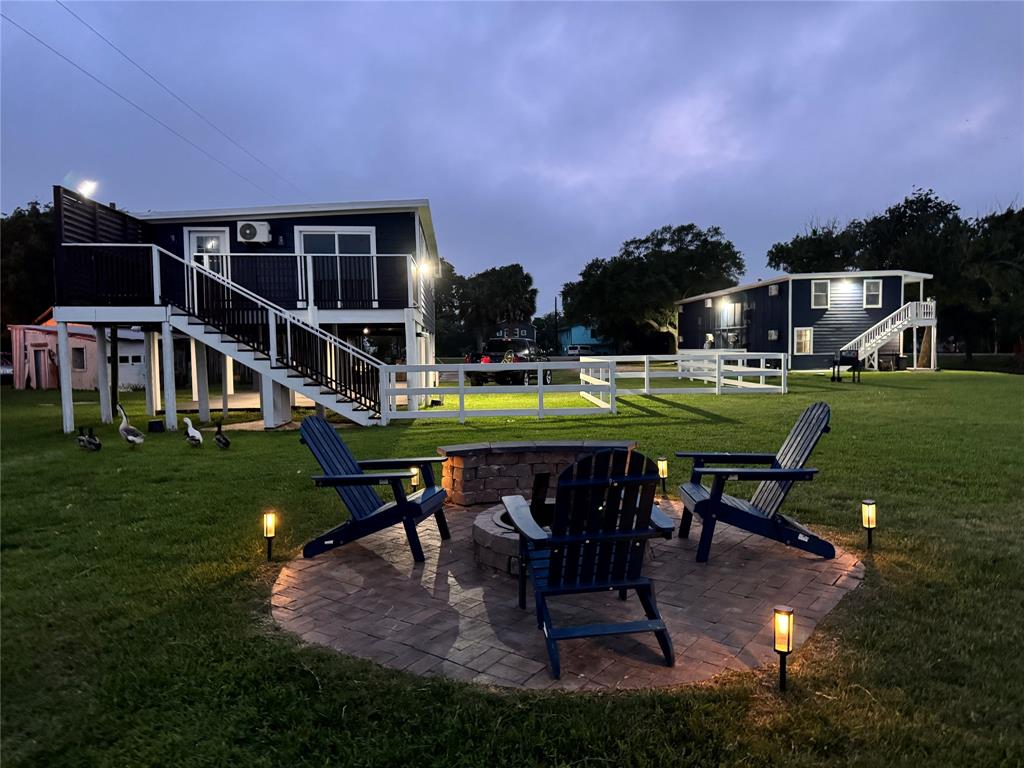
[(450, 617)]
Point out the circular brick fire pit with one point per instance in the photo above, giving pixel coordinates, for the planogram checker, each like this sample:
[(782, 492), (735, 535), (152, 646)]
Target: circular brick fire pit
[(481, 473)]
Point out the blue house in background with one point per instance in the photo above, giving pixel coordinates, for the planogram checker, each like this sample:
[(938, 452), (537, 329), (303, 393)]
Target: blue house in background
[(580, 335), (813, 316)]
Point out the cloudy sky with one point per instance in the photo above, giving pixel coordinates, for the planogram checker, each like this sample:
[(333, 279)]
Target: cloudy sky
[(542, 133)]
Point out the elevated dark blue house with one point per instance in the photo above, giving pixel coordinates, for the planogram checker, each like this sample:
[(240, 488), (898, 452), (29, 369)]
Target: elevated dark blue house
[(813, 316), (302, 295)]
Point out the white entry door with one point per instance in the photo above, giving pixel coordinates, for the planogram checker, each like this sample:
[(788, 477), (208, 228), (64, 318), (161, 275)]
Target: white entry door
[(209, 248)]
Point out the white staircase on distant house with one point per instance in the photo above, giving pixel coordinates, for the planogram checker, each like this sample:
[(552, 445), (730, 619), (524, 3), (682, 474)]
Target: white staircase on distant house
[(275, 343), (913, 314)]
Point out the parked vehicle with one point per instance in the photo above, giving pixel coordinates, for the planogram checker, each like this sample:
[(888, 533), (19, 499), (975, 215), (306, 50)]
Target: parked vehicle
[(499, 351), (575, 350)]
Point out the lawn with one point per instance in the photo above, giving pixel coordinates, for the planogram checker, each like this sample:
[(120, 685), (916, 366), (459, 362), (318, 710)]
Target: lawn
[(135, 599)]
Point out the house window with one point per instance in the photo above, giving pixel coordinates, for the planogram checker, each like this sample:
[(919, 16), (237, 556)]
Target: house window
[(708, 303), (122, 359), (872, 294), (773, 289), (804, 341), (78, 358), (819, 294), (136, 359), (773, 335)]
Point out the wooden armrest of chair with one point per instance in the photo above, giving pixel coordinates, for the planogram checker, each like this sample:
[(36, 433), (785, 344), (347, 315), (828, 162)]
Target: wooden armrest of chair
[(519, 511)]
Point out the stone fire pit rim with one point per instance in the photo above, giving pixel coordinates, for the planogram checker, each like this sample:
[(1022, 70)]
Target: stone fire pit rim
[(537, 446)]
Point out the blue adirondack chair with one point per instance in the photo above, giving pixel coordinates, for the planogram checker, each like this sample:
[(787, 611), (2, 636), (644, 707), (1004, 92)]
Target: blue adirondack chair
[(602, 516), (761, 514), (369, 513)]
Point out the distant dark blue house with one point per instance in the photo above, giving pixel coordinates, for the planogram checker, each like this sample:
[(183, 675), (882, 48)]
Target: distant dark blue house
[(813, 316)]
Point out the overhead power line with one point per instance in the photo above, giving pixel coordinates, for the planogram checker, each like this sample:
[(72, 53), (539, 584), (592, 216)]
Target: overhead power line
[(128, 101), (178, 98)]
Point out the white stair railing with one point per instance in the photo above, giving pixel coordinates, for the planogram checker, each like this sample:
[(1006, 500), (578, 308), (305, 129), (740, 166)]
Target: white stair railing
[(286, 339), (910, 314)]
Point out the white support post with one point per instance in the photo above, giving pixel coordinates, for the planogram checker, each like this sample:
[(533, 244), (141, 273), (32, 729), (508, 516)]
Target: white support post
[(913, 334), (282, 402), (157, 387), (103, 375), (935, 351), (192, 369), (267, 401), (170, 396), (202, 382), (67, 403), (411, 357), (147, 363), (225, 370), (229, 377)]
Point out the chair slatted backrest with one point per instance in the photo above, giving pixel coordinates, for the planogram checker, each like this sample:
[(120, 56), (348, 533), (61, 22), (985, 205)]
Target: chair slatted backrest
[(335, 458), (610, 492), (793, 454)]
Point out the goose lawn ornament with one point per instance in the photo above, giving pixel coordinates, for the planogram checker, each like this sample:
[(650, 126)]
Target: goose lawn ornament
[(131, 435), (221, 439), (92, 443), (81, 437), (194, 437)]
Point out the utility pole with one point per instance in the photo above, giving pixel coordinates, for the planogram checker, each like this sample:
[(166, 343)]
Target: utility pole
[(558, 345)]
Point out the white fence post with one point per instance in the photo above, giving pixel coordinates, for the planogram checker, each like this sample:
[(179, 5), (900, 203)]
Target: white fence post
[(785, 373), (385, 398), (462, 395), (611, 386), (540, 391), (718, 374), (647, 374)]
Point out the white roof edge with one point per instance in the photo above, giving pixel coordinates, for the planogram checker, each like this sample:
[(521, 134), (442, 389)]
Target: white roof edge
[(366, 206), (807, 276)]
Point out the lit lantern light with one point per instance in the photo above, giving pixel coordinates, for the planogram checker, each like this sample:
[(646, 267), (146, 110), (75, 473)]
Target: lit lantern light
[(269, 531), (366, 331), (868, 517), (87, 187), (414, 481), (784, 629), (663, 474)]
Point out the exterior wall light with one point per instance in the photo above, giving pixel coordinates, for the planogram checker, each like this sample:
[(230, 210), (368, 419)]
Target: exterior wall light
[(663, 474), (868, 517), (269, 531), (784, 627), (414, 481)]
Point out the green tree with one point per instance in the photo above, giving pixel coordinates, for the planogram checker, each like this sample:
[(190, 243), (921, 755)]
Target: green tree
[(26, 264), (630, 297), (452, 337), (822, 248), (494, 295)]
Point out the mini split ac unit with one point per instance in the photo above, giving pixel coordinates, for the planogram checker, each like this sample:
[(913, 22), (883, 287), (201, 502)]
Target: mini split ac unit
[(254, 231)]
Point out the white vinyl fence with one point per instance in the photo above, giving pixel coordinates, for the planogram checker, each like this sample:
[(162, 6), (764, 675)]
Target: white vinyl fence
[(440, 390), (448, 384)]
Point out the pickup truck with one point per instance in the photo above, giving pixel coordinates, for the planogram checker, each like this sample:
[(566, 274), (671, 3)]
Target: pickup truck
[(498, 351)]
